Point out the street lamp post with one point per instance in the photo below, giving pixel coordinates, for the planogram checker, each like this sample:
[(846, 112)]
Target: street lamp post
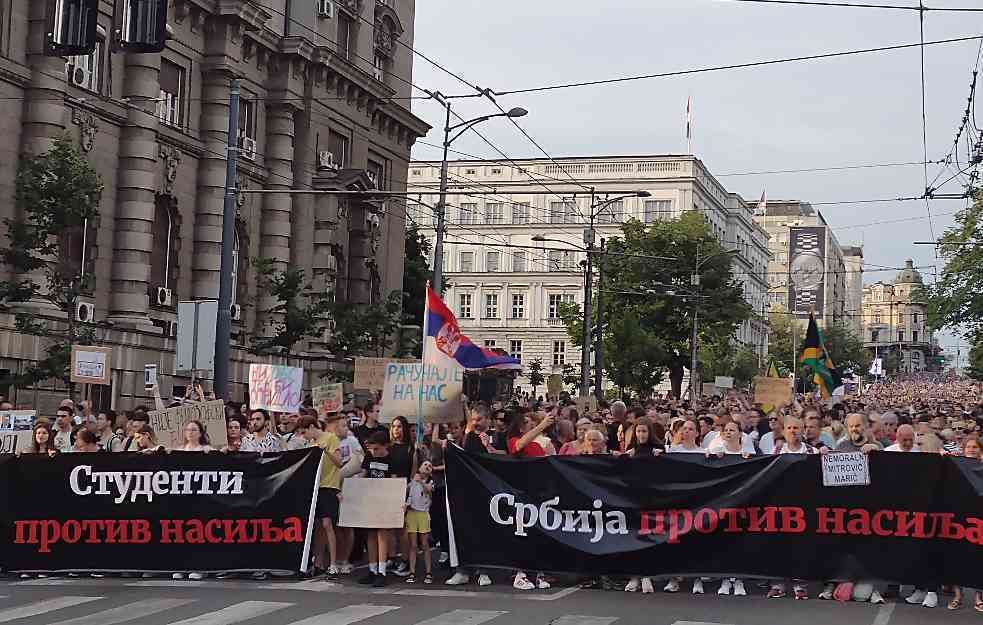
[(441, 208), (694, 392), (590, 250)]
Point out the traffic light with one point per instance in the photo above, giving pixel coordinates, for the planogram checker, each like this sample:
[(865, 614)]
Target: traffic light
[(142, 25), (71, 27)]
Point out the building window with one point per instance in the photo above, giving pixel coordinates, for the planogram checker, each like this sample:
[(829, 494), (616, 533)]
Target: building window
[(338, 145), (496, 171), (166, 235), (520, 213), (877, 317), (467, 262), (170, 106), (563, 212), (553, 260), (491, 343), (470, 172), (519, 262), (914, 319), (247, 128), (376, 171), (555, 300), (492, 262), (515, 350), (417, 172), (494, 214), (657, 210), (379, 64), (346, 35), (875, 335), (85, 71), (464, 305), (518, 306), (466, 213), (77, 252), (914, 336), (491, 306), (900, 336), (559, 355), (561, 261), (613, 213)]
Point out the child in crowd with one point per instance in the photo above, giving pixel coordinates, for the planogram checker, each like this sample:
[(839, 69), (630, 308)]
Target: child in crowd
[(377, 464), (419, 497)]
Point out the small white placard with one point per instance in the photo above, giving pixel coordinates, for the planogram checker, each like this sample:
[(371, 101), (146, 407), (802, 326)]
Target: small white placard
[(375, 503), (149, 376), (846, 469)]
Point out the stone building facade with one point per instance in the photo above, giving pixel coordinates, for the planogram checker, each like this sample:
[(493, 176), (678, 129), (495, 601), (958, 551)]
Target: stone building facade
[(506, 288), (325, 105), (895, 323)]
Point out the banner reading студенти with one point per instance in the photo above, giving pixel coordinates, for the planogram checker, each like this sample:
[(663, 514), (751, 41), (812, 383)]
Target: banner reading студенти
[(919, 521), (159, 512)]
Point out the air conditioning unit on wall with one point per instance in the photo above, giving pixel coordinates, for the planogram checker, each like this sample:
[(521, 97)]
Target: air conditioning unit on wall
[(325, 9), (79, 76), (248, 149), (325, 160), (163, 296), (236, 312), (85, 312)]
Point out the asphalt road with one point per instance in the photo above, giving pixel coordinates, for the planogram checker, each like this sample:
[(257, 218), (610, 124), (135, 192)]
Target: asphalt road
[(65, 601)]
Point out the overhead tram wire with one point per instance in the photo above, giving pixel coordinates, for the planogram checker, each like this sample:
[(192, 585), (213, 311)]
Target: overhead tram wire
[(858, 5), (921, 36), (718, 68)]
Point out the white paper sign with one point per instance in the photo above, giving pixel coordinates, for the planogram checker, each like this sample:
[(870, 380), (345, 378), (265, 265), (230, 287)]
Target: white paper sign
[(169, 424), (723, 381), (846, 469), (415, 390), (149, 376), (374, 503), (275, 388)]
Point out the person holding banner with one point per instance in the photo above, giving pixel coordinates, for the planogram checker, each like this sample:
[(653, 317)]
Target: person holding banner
[(41, 442), (352, 456), (261, 438), (792, 444), (63, 429), (329, 488), (195, 437)]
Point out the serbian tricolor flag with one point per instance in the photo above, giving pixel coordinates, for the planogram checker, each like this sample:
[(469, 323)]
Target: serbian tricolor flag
[(443, 342)]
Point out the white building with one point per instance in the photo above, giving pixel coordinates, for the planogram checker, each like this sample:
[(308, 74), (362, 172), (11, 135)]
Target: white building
[(507, 288), (895, 323)]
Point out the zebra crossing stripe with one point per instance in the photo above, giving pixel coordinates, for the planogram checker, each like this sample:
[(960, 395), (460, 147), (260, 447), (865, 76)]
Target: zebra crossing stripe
[(348, 615), (576, 619), (463, 617), (42, 607), (235, 613), (128, 612)]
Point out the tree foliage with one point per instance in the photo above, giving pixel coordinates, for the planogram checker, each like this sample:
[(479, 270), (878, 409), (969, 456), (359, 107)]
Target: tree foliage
[(416, 272), (975, 368), (535, 374), (57, 195), (956, 299), (726, 359), (843, 344), (300, 313), (647, 326)]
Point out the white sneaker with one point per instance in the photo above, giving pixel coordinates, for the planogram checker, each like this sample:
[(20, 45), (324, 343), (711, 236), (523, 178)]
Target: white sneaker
[(345, 568), (647, 588), (444, 557), (196, 576), (633, 585), (916, 597), (875, 597), (725, 587), (672, 586), (827, 593), (522, 582), (457, 579), (177, 576), (697, 586), (541, 582), (484, 580), (739, 590), (931, 600)]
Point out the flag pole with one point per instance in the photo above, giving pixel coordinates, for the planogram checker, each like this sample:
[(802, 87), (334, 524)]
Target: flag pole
[(423, 361)]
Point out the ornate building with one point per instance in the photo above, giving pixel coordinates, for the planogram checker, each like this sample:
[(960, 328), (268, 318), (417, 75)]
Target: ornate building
[(324, 105), (895, 326)]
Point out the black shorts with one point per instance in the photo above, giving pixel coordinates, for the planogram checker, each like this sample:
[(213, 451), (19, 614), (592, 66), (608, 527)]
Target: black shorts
[(327, 504)]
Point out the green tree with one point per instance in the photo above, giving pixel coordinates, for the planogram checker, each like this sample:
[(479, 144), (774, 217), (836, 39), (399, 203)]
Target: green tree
[(300, 313), (780, 340), (724, 358), (846, 348), (954, 301), (535, 375), (416, 273), (571, 377), (975, 368), (661, 318), (57, 195)]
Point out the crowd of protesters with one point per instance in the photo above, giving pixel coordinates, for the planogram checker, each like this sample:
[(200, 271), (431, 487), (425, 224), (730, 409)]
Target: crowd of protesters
[(927, 415)]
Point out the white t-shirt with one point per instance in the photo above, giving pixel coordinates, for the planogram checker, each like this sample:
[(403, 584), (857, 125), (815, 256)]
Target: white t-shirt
[(804, 448), (767, 443), (747, 444), (349, 446), (896, 447), (679, 449), (62, 440)]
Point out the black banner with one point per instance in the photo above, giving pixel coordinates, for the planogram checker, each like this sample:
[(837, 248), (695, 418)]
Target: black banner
[(919, 521), (161, 512)]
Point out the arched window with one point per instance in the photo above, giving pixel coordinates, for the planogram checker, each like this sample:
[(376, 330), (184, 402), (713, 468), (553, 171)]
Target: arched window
[(166, 237), (77, 253)]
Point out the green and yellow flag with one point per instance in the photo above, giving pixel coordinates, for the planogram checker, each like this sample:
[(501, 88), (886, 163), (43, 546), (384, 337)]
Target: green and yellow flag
[(814, 354), (772, 369)]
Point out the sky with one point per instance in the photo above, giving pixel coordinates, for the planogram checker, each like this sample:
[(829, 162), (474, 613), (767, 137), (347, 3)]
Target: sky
[(854, 110)]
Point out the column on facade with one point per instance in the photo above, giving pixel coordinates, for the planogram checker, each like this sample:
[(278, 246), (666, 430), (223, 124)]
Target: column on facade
[(44, 97), (206, 260), (136, 192), (275, 226)]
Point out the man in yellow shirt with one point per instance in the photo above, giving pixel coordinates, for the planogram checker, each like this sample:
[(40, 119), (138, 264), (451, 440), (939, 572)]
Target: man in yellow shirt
[(328, 496)]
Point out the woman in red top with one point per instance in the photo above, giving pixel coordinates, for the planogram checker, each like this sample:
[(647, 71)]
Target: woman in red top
[(522, 435)]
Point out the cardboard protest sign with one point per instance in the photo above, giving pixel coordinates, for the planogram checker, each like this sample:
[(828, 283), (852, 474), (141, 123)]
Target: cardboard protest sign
[(375, 503), (709, 389), (169, 424), (16, 427), (275, 387), (772, 391), (370, 373), (328, 398), (846, 469), (554, 384), (431, 392), (90, 365), (723, 381)]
